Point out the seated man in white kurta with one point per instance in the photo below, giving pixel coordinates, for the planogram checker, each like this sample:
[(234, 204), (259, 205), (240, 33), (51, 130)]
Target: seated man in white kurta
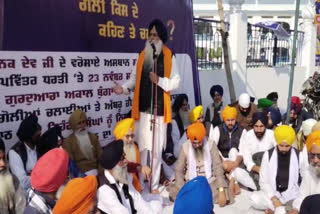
[(255, 142), (311, 181), (279, 174)]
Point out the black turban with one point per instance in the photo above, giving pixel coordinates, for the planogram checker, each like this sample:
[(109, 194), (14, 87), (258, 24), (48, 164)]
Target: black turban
[(216, 89), (178, 102), (273, 96), (49, 140), (2, 146), (310, 205), (112, 154), (160, 28), (28, 127), (262, 116)]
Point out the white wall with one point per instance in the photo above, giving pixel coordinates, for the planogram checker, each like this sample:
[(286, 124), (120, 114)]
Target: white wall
[(258, 82)]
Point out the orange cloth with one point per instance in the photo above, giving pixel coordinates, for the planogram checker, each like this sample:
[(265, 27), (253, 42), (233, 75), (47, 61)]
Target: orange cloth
[(229, 113), (166, 95), (196, 131), (77, 197), (122, 128), (313, 138), (136, 181)]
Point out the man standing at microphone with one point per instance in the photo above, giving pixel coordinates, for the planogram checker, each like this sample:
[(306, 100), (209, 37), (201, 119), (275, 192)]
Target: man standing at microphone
[(155, 77)]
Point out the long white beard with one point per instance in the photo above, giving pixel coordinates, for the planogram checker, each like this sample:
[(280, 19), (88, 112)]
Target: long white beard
[(316, 169), (184, 115), (84, 143), (130, 152), (148, 53), (120, 174), (7, 190)]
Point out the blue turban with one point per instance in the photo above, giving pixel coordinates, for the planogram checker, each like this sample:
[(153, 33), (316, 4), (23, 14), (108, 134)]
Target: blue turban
[(275, 115), (194, 197), (216, 89), (262, 116)]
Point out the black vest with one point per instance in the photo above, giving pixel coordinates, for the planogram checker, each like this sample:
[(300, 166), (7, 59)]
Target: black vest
[(145, 94), (21, 150), (104, 181), (225, 142)]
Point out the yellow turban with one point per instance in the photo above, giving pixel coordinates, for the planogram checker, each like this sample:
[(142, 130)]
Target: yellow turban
[(229, 113), (196, 131), (313, 138), (122, 128), (76, 117), (195, 113), (284, 133), (77, 197)]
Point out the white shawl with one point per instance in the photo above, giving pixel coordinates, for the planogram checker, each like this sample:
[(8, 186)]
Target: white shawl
[(193, 163)]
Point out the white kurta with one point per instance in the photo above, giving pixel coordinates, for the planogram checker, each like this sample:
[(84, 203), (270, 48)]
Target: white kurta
[(310, 185), (142, 126), (250, 144), (109, 203), (262, 199), (17, 167)]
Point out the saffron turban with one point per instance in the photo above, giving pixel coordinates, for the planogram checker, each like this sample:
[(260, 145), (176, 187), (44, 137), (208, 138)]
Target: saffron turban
[(264, 103), (216, 89), (195, 113), (229, 113), (307, 125), (76, 117), (50, 171), (194, 197), (284, 133), (77, 196), (262, 116), (244, 100), (316, 127), (123, 127), (196, 131), (313, 138), (111, 154)]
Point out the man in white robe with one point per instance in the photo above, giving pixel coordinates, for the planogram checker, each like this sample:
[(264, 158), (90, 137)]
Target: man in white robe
[(311, 181), (254, 143), (279, 174), (166, 78), (116, 193)]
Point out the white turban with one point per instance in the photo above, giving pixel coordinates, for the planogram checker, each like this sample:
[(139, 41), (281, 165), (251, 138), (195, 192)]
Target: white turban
[(244, 100), (307, 125)]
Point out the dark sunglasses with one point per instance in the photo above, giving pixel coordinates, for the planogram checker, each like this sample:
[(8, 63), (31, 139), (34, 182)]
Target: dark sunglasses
[(312, 156), (129, 135)]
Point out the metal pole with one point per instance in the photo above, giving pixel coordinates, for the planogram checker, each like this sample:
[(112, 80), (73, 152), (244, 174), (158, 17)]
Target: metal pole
[(293, 56)]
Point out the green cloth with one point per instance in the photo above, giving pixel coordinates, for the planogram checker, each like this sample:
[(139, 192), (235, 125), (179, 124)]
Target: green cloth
[(264, 103)]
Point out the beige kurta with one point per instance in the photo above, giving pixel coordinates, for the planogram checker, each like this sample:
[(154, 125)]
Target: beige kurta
[(70, 144), (182, 174)]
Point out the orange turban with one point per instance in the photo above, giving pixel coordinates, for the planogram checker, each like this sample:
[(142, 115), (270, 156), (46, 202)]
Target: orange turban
[(77, 196), (196, 131), (122, 128), (313, 138), (229, 113), (195, 113)]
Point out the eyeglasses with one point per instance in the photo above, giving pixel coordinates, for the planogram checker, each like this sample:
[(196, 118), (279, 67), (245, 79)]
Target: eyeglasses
[(129, 135), (312, 155)]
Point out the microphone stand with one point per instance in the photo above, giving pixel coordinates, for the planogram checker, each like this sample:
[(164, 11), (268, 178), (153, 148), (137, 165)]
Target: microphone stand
[(154, 108)]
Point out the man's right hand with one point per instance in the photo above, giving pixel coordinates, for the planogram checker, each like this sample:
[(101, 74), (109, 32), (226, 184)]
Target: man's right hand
[(117, 88), (293, 211), (256, 169)]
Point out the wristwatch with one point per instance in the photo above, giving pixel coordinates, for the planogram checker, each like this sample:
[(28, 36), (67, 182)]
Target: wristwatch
[(221, 189)]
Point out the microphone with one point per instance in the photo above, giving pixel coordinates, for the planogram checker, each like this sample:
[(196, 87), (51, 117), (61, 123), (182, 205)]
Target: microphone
[(154, 49)]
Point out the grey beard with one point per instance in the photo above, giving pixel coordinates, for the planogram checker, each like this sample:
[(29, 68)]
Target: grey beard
[(316, 169), (7, 189), (216, 105), (198, 153), (148, 54), (184, 115), (120, 174), (130, 152), (85, 144)]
